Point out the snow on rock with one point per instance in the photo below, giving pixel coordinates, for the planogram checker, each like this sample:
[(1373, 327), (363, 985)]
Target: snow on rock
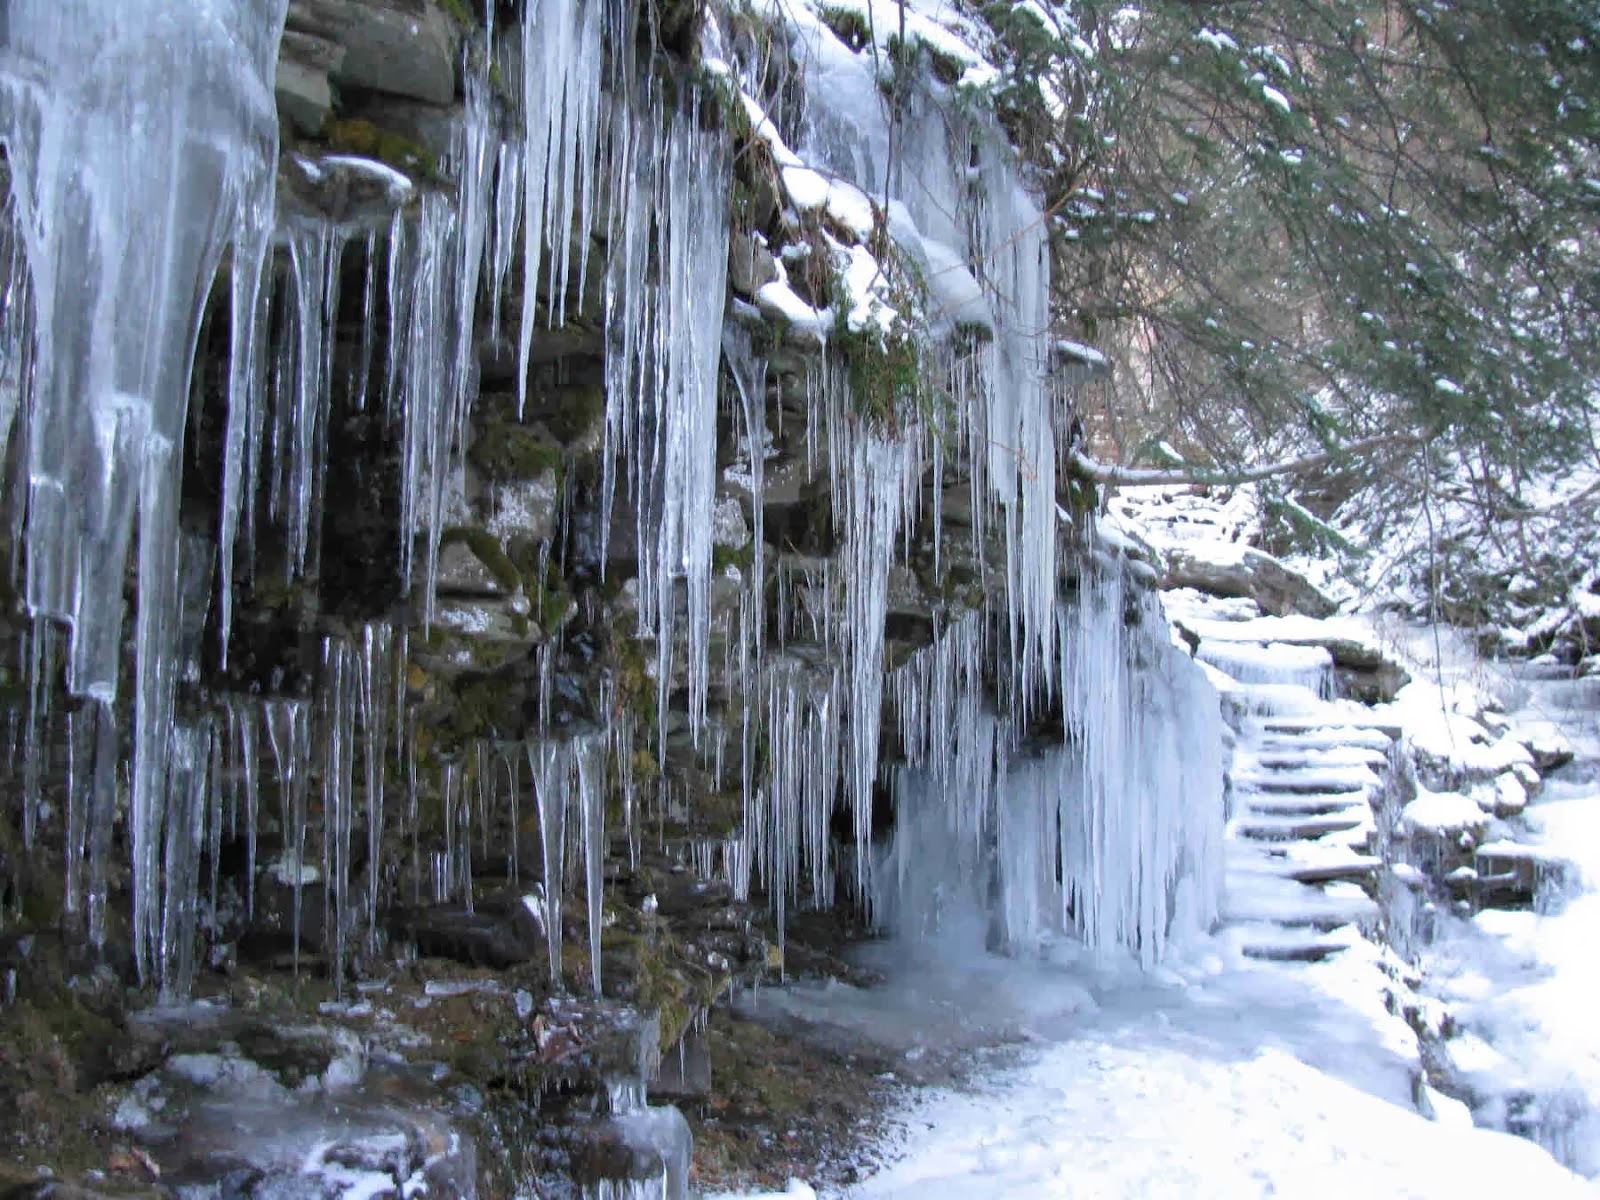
[(1223, 569), (1444, 814), (1451, 745)]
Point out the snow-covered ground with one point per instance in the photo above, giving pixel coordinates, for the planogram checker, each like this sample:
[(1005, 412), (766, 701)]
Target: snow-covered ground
[(1218, 1077), (1521, 985)]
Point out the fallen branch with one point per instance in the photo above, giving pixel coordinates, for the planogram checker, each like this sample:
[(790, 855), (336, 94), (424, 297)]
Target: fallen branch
[(1084, 467)]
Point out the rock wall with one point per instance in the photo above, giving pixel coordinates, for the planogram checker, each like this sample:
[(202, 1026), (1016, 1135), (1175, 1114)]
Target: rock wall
[(587, 427)]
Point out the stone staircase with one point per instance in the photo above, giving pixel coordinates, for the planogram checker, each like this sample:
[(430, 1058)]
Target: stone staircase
[(1306, 777), (1309, 771)]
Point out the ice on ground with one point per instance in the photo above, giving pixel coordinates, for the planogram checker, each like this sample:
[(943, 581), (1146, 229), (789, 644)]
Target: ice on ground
[(1221, 1079)]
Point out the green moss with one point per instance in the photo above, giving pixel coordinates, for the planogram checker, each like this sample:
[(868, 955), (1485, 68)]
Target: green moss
[(486, 707), (486, 548), (886, 371), (849, 26), (273, 591), (1082, 498), (635, 688), (723, 557), (506, 450), (719, 814), (371, 141), (458, 12), (554, 604), (577, 411)]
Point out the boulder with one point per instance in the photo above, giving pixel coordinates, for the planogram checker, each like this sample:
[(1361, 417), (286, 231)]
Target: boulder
[(1247, 574), (406, 47)]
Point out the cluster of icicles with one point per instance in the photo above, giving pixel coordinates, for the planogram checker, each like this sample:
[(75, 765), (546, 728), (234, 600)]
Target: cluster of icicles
[(99, 322)]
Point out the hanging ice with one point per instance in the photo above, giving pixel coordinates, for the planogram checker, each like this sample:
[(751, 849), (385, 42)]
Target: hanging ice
[(1113, 836), (142, 138), (661, 370)]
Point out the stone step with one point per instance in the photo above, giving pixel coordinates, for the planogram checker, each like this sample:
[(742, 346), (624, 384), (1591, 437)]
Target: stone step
[(1328, 737), (1306, 804), (1306, 862), (1275, 943), (1267, 900), (1289, 757), (1307, 950), (1359, 867), (1292, 828), (1341, 720), (1306, 783)]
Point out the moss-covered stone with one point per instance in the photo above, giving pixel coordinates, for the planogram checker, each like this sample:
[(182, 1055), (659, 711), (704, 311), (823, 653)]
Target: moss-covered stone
[(486, 548), (458, 12), (849, 25), (348, 136), (505, 450), (743, 557), (572, 413)]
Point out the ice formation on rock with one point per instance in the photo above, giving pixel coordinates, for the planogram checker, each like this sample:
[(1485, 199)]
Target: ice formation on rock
[(128, 187)]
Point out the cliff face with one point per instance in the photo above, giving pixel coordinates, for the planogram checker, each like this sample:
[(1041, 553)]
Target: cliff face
[(566, 476)]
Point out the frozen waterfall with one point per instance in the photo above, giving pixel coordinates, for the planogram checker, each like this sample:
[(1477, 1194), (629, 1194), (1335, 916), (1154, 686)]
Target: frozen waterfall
[(503, 680)]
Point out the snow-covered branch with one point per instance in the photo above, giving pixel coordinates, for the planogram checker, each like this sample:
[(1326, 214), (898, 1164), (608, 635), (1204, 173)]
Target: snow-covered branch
[(1084, 467)]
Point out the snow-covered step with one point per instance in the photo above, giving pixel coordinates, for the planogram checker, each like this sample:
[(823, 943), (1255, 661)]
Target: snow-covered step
[(1293, 828), (1294, 905), (1290, 755), (1301, 804), (1311, 779), (1277, 700), (1335, 722), (1265, 940), (1330, 737), (1305, 862)]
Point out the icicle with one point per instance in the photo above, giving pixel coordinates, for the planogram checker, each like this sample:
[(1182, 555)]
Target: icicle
[(38, 643), (374, 695), (246, 720), (339, 699), (661, 380), (102, 814), (188, 783), (289, 735), (92, 157), (80, 777), (590, 754), (750, 381), (551, 764), (563, 58), (246, 396)]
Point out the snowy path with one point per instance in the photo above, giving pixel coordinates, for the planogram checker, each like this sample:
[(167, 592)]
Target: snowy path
[(1135, 1115), (1224, 1080)]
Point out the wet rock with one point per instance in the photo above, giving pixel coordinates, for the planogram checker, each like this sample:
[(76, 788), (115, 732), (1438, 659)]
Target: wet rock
[(407, 47), (305, 62), (496, 934), (685, 1071), (649, 1146), (750, 264)]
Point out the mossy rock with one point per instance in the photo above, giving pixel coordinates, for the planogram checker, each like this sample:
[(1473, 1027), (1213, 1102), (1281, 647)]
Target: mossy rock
[(486, 548), (349, 136), (505, 450), (849, 25), (458, 12), (743, 557), (572, 413)]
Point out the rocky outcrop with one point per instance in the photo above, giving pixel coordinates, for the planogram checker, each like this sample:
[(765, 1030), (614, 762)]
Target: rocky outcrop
[(1248, 574), (551, 512)]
